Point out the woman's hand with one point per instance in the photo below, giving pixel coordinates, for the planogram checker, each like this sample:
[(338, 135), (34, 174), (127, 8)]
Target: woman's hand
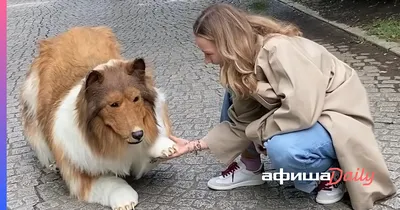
[(184, 146)]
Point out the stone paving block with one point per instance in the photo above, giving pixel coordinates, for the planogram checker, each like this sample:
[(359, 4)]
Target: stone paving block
[(160, 31)]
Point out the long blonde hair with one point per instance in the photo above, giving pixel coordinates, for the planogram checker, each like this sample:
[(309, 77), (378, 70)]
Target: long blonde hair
[(235, 32)]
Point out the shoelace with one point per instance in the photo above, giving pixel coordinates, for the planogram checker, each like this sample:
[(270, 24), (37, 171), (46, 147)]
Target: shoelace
[(231, 169), (323, 185)]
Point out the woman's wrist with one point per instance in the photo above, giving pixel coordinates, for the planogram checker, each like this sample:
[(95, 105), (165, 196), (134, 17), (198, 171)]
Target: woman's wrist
[(203, 144), (196, 146)]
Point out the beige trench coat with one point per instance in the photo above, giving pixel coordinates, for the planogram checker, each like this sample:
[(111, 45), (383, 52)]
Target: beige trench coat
[(300, 83)]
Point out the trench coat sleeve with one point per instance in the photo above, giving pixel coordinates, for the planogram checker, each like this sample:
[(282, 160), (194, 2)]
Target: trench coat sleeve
[(297, 81), (226, 141)]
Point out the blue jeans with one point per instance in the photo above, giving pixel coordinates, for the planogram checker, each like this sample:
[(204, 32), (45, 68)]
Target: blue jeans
[(310, 150)]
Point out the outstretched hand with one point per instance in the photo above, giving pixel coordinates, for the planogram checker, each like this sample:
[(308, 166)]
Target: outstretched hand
[(182, 146)]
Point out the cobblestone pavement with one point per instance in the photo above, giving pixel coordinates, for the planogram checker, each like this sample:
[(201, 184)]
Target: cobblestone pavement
[(160, 30)]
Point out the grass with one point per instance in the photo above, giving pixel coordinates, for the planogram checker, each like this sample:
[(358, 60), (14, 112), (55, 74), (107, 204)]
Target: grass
[(388, 29), (258, 6)]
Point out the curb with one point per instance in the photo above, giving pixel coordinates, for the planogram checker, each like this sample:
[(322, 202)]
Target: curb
[(390, 46)]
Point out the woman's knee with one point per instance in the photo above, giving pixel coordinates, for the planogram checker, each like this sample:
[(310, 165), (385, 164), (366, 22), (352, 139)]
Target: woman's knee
[(284, 155), (305, 150)]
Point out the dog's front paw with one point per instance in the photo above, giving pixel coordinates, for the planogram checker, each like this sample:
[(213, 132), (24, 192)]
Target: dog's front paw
[(126, 207), (124, 198), (169, 151), (162, 148)]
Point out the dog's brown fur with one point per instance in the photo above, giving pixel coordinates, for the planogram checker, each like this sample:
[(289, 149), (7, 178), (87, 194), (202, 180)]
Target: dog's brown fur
[(114, 100), (112, 106)]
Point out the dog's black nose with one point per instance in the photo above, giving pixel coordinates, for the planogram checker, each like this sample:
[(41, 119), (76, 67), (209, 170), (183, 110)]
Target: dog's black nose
[(137, 135)]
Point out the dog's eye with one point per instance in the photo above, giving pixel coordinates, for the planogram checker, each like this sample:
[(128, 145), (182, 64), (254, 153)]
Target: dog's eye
[(115, 104), (136, 99)]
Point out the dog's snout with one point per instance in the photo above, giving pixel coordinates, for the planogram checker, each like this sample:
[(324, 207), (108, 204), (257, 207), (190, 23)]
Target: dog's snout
[(137, 135)]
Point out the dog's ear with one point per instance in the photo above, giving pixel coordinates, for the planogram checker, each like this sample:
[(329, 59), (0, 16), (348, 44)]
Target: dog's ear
[(137, 68), (93, 77)]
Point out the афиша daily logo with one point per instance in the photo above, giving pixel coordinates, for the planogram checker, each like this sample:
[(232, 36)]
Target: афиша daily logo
[(337, 173)]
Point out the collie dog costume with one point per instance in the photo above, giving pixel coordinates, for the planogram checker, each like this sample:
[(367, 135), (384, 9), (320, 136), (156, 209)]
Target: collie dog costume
[(95, 115)]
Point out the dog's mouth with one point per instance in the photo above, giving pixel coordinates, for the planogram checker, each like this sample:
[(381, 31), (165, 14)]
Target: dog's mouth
[(134, 141)]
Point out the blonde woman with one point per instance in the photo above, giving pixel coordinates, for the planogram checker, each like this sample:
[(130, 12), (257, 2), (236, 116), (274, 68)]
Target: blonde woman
[(291, 99)]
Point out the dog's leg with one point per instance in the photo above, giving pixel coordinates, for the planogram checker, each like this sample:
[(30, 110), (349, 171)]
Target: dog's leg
[(32, 131), (37, 141), (162, 147), (114, 192), (110, 191), (166, 120)]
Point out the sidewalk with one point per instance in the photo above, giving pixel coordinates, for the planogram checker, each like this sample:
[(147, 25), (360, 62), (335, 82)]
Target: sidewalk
[(355, 29), (160, 30)]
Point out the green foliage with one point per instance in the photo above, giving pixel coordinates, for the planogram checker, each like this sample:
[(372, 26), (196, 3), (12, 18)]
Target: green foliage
[(258, 6), (388, 29)]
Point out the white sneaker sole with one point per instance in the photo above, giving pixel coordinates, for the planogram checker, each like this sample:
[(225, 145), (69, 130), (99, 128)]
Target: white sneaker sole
[(233, 186), (330, 201)]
